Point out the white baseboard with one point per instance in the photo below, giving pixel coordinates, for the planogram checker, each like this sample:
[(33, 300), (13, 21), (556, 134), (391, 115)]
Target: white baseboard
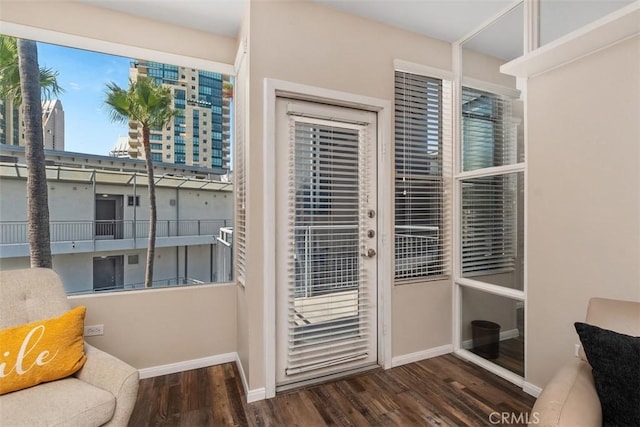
[(421, 355), (252, 395), (256, 394), (504, 335), (187, 365), (531, 389), (243, 377)]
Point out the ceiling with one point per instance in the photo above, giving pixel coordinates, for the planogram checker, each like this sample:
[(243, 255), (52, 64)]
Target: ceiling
[(448, 20)]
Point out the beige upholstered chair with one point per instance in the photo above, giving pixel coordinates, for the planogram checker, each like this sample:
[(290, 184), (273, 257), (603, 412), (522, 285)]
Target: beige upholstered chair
[(570, 398), (103, 392)]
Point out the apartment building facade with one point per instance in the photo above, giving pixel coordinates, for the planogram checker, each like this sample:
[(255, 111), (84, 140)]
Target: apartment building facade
[(12, 124), (99, 221), (201, 135)]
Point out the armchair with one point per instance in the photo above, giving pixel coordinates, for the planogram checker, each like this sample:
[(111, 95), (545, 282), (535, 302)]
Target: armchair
[(102, 392), (570, 398)]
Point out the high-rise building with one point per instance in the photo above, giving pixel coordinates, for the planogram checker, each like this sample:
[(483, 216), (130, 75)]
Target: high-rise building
[(201, 135), (53, 124), (12, 124)]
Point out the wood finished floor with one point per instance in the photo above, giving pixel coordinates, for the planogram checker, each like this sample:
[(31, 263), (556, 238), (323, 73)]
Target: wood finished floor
[(511, 355), (442, 391)]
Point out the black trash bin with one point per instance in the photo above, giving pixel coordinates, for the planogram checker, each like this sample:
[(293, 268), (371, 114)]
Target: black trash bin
[(486, 338)]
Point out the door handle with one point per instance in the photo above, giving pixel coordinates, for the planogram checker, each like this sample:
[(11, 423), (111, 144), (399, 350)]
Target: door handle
[(370, 253)]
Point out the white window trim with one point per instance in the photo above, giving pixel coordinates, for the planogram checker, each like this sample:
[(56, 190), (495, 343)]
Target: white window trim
[(494, 88), (272, 89), (102, 46), (423, 70)]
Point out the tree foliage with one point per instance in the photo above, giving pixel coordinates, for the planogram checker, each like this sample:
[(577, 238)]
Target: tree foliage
[(150, 105), (10, 74)]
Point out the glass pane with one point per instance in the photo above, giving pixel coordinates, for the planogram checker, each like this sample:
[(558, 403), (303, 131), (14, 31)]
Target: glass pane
[(499, 42), (489, 133), (492, 124), (492, 229), (88, 147), (559, 18), (419, 184), (493, 328), (327, 213)]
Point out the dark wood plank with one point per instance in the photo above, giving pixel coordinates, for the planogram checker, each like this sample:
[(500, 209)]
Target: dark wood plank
[(443, 391)]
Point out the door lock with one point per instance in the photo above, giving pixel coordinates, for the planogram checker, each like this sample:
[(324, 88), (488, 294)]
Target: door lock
[(370, 253)]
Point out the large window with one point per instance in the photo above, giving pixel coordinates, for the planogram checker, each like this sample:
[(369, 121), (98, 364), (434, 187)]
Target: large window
[(97, 163), (422, 114)]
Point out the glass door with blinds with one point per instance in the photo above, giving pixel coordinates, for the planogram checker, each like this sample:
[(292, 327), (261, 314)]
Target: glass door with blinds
[(326, 240)]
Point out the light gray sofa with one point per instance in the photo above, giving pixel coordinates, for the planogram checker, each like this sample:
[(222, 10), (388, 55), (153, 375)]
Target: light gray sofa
[(103, 392), (570, 398)]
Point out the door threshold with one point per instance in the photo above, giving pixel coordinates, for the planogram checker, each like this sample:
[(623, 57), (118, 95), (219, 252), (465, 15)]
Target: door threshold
[(298, 385)]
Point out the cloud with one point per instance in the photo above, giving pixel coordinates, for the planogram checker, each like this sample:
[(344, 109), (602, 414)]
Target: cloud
[(74, 86)]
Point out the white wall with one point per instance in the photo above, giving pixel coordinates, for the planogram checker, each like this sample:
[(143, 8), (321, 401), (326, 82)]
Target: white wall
[(71, 17), (66, 197), (76, 270), (150, 328), (583, 198)]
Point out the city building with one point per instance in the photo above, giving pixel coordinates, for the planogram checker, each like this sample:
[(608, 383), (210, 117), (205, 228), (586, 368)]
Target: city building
[(121, 148), (201, 135), (53, 125), (103, 246), (12, 125)]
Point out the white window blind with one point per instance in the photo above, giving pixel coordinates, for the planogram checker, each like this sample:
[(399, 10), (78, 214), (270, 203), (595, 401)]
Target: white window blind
[(422, 152), (240, 173), (488, 224), (328, 302), (487, 130), (488, 202)]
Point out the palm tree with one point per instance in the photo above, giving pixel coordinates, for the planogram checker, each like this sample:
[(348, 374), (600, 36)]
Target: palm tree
[(23, 83), (10, 75), (37, 197), (150, 105)]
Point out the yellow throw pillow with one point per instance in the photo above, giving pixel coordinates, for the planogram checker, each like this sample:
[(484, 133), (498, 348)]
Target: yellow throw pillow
[(41, 351)]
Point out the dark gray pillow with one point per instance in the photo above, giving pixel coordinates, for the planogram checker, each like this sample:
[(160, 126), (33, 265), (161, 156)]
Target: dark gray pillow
[(615, 361)]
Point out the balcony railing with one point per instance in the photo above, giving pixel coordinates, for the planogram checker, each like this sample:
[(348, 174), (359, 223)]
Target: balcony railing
[(15, 232), (162, 283), (416, 250), (327, 257)]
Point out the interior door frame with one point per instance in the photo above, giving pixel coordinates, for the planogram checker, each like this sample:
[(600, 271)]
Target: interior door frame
[(272, 89)]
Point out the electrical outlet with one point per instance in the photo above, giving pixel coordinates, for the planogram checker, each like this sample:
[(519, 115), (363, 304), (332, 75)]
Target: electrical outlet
[(577, 354), (93, 330)]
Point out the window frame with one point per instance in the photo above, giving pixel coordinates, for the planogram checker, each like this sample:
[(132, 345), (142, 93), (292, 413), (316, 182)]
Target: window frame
[(123, 50), (444, 179), (500, 251), (460, 175)]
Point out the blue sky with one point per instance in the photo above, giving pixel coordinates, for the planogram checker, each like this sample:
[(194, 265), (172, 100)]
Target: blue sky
[(83, 76)]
